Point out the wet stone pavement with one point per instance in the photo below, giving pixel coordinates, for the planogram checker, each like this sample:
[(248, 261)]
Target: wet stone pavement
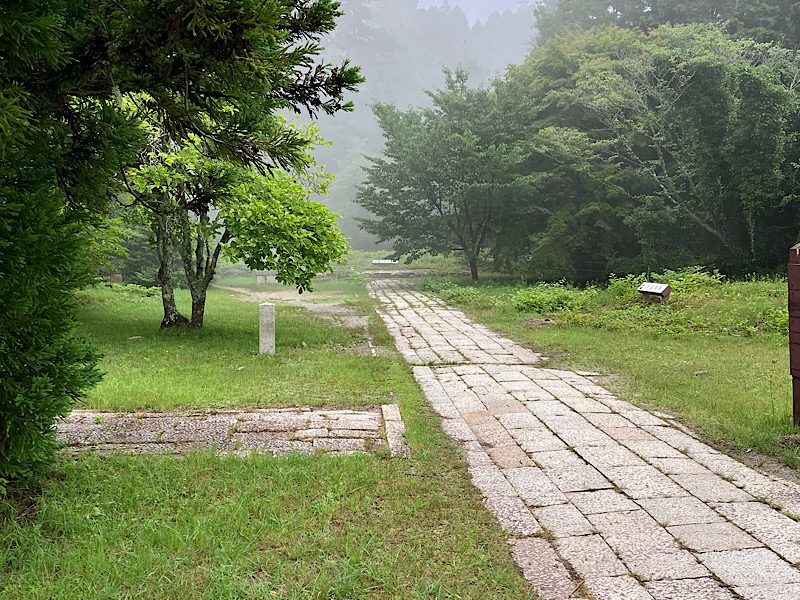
[(238, 432), (600, 498)]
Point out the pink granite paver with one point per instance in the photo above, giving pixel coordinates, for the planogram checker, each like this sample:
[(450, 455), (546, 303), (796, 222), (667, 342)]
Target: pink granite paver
[(636, 507)]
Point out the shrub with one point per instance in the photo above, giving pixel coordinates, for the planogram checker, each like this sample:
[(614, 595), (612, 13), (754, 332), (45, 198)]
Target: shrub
[(549, 297), (44, 367)]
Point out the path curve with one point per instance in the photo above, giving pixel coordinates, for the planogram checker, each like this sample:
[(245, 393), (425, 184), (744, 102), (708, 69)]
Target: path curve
[(598, 495)]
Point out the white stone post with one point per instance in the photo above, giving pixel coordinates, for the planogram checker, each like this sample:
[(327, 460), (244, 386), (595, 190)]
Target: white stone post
[(266, 328), (261, 279)]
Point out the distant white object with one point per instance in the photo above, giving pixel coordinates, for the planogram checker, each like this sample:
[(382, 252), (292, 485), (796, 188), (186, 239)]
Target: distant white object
[(266, 277), (266, 328), (662, 290), (384, 261)]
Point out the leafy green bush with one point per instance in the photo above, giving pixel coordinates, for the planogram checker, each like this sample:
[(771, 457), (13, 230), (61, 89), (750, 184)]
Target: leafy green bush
[(690, 281), (549, 297), (449, 291), (622, 290), (44, 367)]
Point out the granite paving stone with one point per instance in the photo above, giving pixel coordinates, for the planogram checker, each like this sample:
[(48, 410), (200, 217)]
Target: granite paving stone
[(533, 441), (634, 533), (613, 455), (618, 588), (542, 567), (534, 487), (777, 531), (601, 501), (563, 520), (713, 537), (558, 459), (673, 466), (671, 565), (513, 516), (779, 591), (650, 449), (703, 588), (509, 456), (578, 479), (590, 556), (710, 488), (643, 482), (686, 510), (520, 420), (491, 482), (750, 567)]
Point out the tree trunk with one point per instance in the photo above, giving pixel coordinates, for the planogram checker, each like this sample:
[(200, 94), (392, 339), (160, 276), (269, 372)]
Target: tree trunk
[(473, 268), (198, 306), (172, 317)]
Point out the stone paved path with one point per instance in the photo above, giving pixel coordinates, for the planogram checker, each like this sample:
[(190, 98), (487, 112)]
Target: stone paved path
[(239, 432), (598, 495)]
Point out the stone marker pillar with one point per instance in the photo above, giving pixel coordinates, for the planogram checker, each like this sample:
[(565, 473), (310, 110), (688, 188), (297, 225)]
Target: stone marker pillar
[(794, 328), (266, 328), (261, 279)]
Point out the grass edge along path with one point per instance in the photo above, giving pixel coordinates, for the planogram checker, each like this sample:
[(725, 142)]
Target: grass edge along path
[(296, 527), (735, 389)]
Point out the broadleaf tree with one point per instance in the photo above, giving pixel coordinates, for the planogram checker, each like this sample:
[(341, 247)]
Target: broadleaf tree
[(446, 178), (200, 207)]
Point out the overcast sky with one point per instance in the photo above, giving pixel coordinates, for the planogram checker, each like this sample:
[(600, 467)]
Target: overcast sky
[(478, 10)]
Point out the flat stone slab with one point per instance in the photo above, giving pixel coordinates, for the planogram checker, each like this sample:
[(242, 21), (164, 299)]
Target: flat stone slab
[(265, 431), (632, 505)]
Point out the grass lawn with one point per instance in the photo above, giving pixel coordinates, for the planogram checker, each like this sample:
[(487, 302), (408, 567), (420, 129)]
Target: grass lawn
[(301, 527), (652, 354)]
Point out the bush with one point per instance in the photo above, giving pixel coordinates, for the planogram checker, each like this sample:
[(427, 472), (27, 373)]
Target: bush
[(452, 292), (44, 367), (549, 297)]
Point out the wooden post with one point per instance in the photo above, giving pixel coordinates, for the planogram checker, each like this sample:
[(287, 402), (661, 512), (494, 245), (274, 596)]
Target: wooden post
[(794, 328)]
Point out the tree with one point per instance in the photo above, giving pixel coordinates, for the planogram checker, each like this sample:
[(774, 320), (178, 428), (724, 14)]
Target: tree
[(204, 207), (212, 68), (763, 20), (690, 134), (445, 176)]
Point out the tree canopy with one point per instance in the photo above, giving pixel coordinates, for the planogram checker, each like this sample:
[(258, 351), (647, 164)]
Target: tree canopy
[(625, 150)]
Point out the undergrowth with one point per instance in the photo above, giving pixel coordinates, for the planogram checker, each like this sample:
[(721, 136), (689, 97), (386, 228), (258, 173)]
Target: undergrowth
[(701, 301)]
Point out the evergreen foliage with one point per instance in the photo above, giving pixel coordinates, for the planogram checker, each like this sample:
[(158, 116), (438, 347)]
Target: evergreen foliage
[(216, 69)]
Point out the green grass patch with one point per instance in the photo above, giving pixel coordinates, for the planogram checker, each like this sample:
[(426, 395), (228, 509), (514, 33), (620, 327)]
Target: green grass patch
[(314, 527), (217, 366)]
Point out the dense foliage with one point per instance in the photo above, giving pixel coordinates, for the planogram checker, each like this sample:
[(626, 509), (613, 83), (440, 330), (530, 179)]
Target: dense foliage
[(199, 207), (635, 151), (763, 20), (701, 302), (218, 70)]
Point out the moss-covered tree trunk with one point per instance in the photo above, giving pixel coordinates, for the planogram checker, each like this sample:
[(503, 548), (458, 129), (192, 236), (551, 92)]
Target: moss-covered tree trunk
[(172, 316)]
